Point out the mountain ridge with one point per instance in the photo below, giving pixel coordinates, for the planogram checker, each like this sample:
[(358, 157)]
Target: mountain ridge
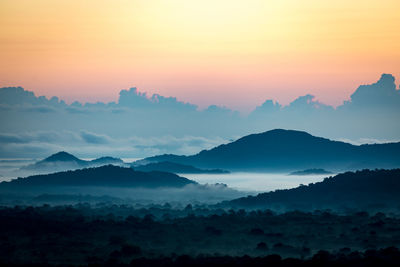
[(107, 175), (289, 150), (62, 161)]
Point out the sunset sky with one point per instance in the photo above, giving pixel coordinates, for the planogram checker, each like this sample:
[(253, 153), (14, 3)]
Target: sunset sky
[(226, 52)]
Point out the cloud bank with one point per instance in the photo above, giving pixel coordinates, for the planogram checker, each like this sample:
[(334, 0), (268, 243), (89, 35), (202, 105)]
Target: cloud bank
[(138, 125)]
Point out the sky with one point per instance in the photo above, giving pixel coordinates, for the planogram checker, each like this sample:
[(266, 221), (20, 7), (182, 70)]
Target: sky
[(226, 52)]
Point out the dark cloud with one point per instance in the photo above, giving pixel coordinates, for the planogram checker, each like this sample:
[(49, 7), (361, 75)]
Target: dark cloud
[(12, 138), (5, 107), (42, 144), (93, 138), (77, 110), (40, 109)]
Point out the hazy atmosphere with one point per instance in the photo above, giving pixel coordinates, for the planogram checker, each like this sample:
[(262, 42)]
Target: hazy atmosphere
[(199, 133), (139, 125)]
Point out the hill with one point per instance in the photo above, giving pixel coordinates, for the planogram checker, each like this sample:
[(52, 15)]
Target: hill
[(63, 161), (287, 150), (361, 189), (166, 166), (105, 176)]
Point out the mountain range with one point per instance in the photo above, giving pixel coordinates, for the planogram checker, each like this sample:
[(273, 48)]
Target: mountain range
[(62, 161), (272, 151), (288, 150)]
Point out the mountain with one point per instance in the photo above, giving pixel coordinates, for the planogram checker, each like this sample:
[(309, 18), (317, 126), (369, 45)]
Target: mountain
[(288, 150), (166, 166), (63, 161), (63, 156), (310, 172), (104, 176), (360, 189), (106, 161)]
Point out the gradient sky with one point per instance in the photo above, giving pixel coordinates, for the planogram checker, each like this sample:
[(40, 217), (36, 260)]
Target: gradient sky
[(233, 53)]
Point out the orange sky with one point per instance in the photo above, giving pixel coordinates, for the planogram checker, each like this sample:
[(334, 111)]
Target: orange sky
[(234, 53)]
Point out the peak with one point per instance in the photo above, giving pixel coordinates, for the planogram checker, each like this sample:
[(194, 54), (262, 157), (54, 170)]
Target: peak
[(276, 134), (284, 132), (62, 156)]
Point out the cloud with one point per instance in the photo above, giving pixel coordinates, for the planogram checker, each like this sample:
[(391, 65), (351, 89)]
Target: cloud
[(134, 99), (77, 110), (307, 103), (11, 138), (40, 109), (93, 138), (46, 137), (5, 107), (138, 125), (382, 94), (269, 106), (362, 141), (19, 96), (89, 144)]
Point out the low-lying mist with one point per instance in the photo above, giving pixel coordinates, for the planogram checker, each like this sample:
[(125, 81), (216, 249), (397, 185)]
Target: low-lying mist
[(189, 194)]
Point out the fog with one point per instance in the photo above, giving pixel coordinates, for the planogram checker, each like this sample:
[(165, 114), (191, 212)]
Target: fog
[(241, 181), (212, 188), (256, 182)]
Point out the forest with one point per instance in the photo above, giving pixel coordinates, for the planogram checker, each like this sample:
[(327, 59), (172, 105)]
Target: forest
[(161, 235)]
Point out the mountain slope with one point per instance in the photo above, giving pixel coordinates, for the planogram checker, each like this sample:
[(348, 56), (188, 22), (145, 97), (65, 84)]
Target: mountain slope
[(63, 156), (107, 176), (350, 189), (288, 150)]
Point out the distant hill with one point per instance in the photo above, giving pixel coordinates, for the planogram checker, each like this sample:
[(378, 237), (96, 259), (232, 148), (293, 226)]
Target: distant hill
[(63, 161), (62, 156), (310, 172), (351, 189), (287, 150), (106, 160), (166, 166), (106, 176)]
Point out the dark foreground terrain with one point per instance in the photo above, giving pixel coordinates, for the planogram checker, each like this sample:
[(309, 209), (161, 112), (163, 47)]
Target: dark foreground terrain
[(164, 236)]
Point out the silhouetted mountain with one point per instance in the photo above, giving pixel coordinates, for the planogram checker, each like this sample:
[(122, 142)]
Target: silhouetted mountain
[(62, 156), (106, 160), (166, 166), (288, 150), (107, 176), (310, 172), (63, 161), (359, 189)]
